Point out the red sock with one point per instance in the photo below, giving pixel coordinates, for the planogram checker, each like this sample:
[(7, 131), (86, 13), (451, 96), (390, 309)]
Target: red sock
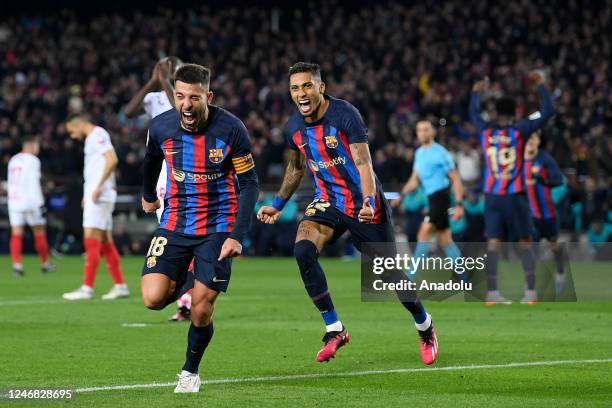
[(16, 245), (92, 259), (112, 262), (42, 246)]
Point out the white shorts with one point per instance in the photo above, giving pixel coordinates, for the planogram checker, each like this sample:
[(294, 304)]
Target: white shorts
[(98, 215), (35, 216), (161, 190)]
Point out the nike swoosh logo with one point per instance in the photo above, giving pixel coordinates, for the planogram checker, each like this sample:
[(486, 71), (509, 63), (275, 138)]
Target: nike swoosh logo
[(300, 146), (216, 280), (170, 152)]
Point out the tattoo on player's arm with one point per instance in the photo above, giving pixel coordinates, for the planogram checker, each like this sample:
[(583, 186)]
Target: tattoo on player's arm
[(293, 174), (363, 162)]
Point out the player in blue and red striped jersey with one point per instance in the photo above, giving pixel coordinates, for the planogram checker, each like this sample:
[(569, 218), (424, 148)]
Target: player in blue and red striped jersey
[(507, 214), (541, 174), (328, 136), (208, 152)]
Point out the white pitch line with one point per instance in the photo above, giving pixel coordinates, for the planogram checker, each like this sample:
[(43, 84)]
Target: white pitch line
[(350, 374)]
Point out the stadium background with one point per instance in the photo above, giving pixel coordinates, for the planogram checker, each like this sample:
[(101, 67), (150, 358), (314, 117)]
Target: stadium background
[(396, 62)]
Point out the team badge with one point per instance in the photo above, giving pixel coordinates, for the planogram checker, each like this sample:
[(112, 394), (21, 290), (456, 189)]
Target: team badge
[(151, 261), (215, 155), (310, 212), (331, 141), (178, 175)]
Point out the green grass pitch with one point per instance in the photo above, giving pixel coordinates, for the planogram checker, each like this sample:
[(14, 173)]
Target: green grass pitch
[(267, 327)]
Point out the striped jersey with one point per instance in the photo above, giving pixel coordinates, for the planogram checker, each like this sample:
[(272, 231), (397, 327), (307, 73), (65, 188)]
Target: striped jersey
[(503, 146), (325, 144), (201, 187), (545, 172)]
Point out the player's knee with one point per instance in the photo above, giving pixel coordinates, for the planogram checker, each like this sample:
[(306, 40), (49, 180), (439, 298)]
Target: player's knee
[(153, 300), (201, 313), (306, 254)]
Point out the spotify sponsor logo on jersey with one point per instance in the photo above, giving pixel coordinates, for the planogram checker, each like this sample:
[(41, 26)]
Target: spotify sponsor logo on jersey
[(182, 176), (318, 165)]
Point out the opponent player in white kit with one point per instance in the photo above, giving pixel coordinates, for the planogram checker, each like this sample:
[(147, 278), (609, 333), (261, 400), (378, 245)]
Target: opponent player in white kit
[(155, 102), (99, 196), (26, 204)]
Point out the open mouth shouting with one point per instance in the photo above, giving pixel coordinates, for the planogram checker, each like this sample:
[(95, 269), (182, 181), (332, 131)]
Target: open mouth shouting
[(189, 119), (305, 106)]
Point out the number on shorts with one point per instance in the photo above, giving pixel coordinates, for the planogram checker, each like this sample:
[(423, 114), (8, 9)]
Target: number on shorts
[(158, 244)]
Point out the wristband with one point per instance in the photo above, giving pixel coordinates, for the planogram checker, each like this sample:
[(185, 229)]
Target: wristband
[(279, 203)]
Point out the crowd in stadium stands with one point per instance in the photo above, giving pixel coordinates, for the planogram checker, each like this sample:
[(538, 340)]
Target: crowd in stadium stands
[(395, 62)]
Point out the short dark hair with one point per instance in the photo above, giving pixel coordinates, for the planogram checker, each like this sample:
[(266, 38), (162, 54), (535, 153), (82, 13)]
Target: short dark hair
[(193, 74), (78, 117), (29, 138), (310, 67), (505, 106)]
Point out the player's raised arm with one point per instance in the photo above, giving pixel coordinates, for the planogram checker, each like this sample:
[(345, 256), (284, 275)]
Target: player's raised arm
[(546, 111), (474, 109), (363, 162), (291, 181), (167, 67), (152, 165), (135, 105)]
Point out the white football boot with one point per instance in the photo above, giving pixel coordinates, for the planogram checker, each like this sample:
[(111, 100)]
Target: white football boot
[(187, 382), (117, 291), (82, 293)]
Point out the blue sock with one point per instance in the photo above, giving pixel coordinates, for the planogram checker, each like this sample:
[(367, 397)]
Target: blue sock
[(307, 255), (421, 250), (491, 265), (419, 314), (330, 317), (529, 264), (197, 341)]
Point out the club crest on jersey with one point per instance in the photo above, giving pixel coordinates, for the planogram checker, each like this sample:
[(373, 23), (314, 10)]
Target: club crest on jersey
[(151, 261), (215, 155), (331, 141), (178, 175)]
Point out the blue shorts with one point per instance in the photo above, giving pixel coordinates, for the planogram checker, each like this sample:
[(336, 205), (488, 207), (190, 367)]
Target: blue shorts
[(170, 253), (322, 212), (547, 228), (508, 217)]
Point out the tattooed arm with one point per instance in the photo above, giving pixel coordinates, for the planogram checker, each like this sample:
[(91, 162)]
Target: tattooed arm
[(363, 162)]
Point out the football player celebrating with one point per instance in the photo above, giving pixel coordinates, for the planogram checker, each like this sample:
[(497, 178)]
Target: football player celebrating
[(328, 136), (507, 214), (154, 102), (205, 148), (26, 204), (541, 174), (99, 196)]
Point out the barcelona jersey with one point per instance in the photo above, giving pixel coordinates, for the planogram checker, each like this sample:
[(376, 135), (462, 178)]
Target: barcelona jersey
[(545, 172), (503, 146), (201, 188), (325, 144)]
